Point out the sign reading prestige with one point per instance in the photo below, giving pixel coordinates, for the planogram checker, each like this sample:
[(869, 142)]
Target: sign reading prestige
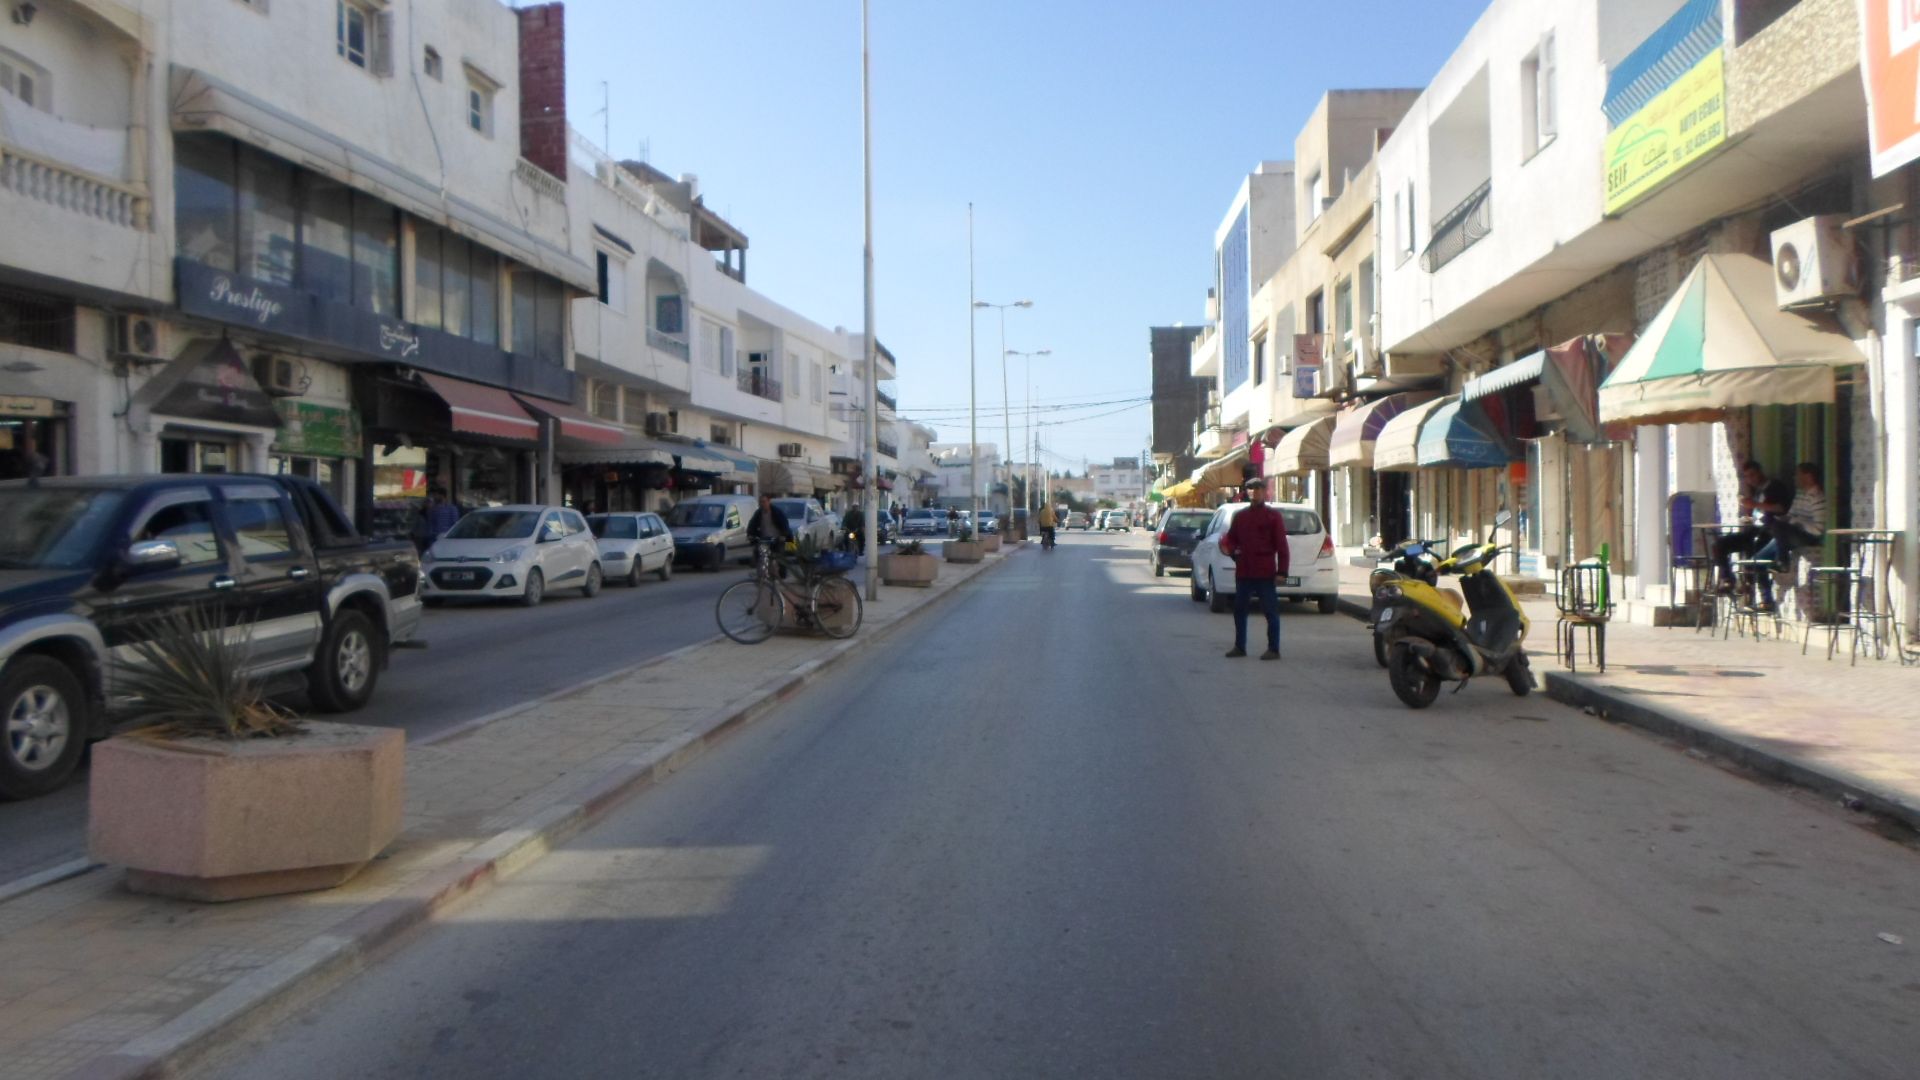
[(1677, 128)]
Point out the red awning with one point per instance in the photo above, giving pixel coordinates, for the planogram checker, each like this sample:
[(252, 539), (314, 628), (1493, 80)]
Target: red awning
[(575, 424), (483, 410)]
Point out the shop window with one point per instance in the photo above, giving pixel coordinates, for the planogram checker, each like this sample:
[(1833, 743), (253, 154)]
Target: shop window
[(204, 200), (268, 224), (426, 277), (376, 256), (539, 309), (37, 322), (484, 299), (456, 303), (326, 238), (261, 528)]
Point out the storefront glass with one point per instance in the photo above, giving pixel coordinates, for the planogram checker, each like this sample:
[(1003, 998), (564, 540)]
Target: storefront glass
[(33, 446)]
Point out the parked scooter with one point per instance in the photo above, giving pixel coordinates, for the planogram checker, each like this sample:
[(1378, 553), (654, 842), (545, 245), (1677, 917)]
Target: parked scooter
[(1430, 639), (1409, 560)]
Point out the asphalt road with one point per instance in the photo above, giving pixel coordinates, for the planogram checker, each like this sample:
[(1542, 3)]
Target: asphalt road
[(1051, 832), (481, 658)]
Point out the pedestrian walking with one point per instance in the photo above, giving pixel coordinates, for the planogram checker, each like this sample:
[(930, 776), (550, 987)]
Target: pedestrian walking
[(438, 516), (1257, 543)]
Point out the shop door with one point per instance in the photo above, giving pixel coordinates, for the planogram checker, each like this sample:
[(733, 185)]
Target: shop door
[(198, 455), (1395, 508)]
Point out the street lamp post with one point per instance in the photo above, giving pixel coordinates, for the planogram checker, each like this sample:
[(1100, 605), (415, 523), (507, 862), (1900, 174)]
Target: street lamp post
[(871, 346), (1006, 404), (1027, 435)]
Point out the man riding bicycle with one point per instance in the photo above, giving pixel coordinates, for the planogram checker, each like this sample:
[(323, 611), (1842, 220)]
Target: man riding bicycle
[(1048, 522)]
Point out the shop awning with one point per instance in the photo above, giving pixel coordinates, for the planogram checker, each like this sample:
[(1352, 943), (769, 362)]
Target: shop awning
[(483, 410), (1303, 450), (1227, 472), (1356, 431), (575, 424), (1459, 435), (1564, 374), (629, 451), (789, 478), (722, 461), (1398, 447), (1723, 343)]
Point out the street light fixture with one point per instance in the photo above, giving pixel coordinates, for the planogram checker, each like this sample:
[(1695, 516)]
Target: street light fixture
[(1027, 436), (1006, 402)]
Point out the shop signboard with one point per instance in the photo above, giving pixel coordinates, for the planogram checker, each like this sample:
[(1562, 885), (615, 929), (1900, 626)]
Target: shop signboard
[(316, 430), (1680, 126), (1890, 68), (16, 405), (215, 385)]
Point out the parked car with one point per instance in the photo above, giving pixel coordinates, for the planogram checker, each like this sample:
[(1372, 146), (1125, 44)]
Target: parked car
[(88, 563), (513, 552), (710, 530), (1311, 570), (632, 545), (989, 522), (1078, 520), (1179, 530), (925, 521), (808, 520)]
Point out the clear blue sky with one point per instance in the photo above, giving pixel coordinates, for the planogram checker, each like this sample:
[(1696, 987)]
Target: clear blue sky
[(1099, 142)]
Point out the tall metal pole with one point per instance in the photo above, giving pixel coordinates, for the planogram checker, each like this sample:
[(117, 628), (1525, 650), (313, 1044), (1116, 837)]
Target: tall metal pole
[(872, 345), (973, 387), (1006, 421), (1028, 365)]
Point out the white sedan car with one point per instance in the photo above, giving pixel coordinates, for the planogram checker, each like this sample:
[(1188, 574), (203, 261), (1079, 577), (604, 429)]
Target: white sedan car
[(1312, 573), (632, 545), (512, 551)]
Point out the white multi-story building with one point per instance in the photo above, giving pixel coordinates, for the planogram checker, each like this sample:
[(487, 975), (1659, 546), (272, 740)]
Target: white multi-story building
[(1122, 481)]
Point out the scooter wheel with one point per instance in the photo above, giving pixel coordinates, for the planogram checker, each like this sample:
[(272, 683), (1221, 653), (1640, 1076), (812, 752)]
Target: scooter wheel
[(1520, 677), (1412, 684)]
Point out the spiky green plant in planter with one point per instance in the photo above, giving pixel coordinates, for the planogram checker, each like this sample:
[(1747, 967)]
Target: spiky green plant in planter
[(911, 547), (191, 680)]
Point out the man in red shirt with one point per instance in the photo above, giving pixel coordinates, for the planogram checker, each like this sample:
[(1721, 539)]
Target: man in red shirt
[(1257, 543)]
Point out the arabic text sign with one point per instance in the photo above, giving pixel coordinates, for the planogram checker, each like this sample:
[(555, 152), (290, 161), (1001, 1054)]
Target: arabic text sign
[(1890, 68), (1683, 124)]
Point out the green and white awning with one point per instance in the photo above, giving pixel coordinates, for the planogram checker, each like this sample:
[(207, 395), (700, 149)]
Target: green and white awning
[(1722, 343)]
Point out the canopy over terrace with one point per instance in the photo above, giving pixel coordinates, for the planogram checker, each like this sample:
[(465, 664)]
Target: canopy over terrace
[(1722, 343), (1553, 388), (1356, 431), (1304, 449), (1398, 448)]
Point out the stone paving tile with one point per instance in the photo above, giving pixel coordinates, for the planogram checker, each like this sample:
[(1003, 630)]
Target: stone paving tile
[(86, 966)]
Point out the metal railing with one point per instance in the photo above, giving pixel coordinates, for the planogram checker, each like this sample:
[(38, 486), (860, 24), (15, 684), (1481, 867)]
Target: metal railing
[(885, 399), (667, 343), (759, 383), (1464, 226), (887, 449)]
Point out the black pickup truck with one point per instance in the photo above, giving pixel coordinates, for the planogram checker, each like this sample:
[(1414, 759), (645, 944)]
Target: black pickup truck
[(87, 563)]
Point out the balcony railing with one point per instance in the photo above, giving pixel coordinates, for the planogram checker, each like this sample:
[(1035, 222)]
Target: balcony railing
[(759, 383), (885, 399), (887, 449), (1464, 226), (667, 343), (48, 181)]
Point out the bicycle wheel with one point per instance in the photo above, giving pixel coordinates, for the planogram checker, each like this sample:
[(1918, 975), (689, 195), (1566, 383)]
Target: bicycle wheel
[(836, 607), (750, 611)]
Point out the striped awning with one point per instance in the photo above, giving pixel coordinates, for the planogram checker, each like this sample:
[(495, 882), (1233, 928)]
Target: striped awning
[(1356, 431), (1459, 435), (483, 410), (630, 451), (1668, 53), (1304, 449), (1398, 448), (574, 424)]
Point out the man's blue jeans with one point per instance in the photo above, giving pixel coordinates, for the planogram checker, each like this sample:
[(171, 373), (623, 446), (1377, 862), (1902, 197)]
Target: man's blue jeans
[(1244, 593)]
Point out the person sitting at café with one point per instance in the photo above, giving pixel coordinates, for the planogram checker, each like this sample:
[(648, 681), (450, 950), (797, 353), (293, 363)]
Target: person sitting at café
[(1804, 525), (1758, 496)]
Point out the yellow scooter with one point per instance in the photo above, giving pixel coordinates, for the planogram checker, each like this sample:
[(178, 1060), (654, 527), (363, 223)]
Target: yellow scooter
[(1430, 639)]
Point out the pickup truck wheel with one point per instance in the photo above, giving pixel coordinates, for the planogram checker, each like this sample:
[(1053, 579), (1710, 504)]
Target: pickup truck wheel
[(536, 589), (42, 726), (342, 676)]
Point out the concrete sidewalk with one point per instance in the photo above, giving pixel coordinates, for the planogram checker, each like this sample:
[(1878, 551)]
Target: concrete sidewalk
[(1851, 732), (98, 982)]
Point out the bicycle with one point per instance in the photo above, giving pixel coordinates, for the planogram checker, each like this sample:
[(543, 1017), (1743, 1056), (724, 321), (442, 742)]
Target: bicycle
[(817, 590)]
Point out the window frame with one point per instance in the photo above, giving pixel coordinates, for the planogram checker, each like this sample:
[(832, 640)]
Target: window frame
[(229, 503), (345, 12), (433, 64)]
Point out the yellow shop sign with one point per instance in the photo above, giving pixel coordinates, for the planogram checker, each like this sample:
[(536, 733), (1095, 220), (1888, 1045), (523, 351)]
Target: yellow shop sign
[(1677, 128)]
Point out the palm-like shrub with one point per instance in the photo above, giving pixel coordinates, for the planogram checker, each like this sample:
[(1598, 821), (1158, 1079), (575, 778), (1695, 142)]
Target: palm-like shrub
[(191, 680)]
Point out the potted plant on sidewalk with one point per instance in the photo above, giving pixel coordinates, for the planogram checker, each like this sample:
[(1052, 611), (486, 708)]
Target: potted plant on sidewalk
[(218, 794), (964, 548), (990, 542), (909, 564)]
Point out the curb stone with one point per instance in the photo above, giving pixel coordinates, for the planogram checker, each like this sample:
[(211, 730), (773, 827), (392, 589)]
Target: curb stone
[(343, 948), (1622, 707)]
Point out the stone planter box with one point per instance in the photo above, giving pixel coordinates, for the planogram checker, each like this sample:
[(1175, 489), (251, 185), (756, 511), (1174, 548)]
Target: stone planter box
[(991, 542), (964, 551), (916, 570), (210, 820)]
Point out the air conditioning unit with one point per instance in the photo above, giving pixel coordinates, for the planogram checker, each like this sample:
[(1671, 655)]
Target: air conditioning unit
[(1814, 262), (659, 423), (791, 450), (281, 376), (142, 339)]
